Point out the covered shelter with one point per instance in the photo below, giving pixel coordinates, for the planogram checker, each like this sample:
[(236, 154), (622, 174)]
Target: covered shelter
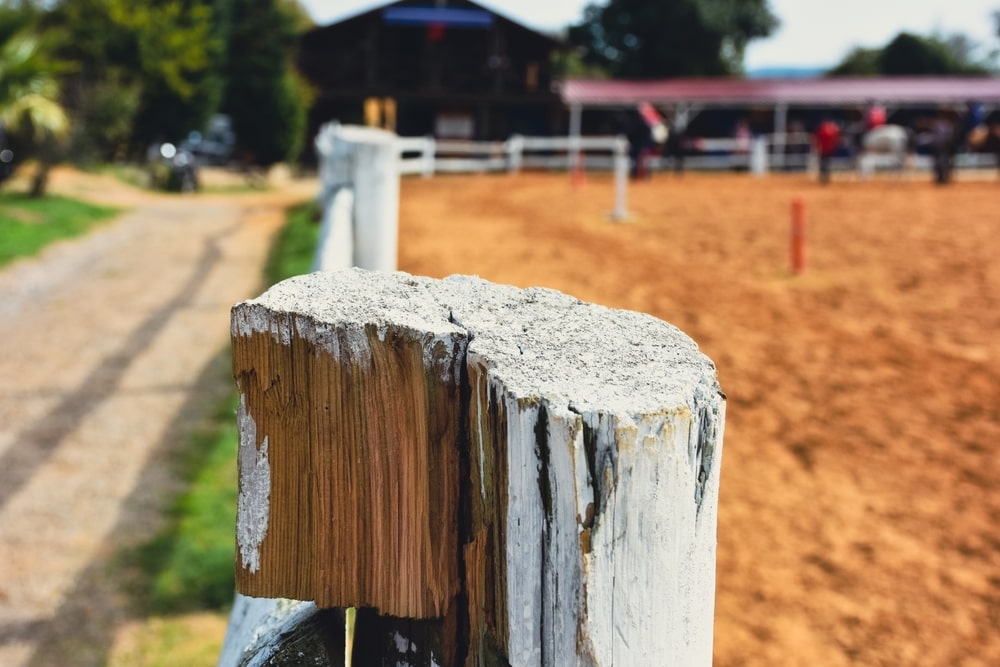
[(773, 102)]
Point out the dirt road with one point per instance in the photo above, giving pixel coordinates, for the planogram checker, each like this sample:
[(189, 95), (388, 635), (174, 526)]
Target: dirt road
[(105, 342)]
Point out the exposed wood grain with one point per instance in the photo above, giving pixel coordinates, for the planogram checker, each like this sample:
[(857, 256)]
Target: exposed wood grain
[(363, 468)]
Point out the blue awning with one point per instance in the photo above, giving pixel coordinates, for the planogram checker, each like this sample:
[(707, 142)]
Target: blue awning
[(440, 16)]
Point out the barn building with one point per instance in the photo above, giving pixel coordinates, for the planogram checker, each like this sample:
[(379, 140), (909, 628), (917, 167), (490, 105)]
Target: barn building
[(452, 69)]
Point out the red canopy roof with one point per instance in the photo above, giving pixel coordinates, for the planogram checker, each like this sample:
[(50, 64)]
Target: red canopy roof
[(812, 92)]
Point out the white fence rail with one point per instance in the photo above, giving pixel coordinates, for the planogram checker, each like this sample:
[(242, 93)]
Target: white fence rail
[(791, 151), (426, 155)]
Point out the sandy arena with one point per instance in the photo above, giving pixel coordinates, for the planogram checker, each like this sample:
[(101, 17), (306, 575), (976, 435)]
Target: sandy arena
[(860, 511)]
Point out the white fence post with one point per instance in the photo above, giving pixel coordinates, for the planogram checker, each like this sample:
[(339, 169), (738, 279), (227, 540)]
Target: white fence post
[(366, 160), (428, 155), (758, 156), (376, 200), (515, 153)]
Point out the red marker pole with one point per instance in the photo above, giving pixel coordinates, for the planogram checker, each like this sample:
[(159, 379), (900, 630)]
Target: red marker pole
[(798, 236), (578, 178)]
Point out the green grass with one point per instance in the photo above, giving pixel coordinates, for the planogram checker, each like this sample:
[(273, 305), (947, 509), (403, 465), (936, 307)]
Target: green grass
[(29, 224), (189, 566), (129, 174), (292, 254), (138, 176)]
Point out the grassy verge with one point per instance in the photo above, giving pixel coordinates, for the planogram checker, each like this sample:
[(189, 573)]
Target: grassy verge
[(295, 247), (187, 569), (29, 224), (212, 180)]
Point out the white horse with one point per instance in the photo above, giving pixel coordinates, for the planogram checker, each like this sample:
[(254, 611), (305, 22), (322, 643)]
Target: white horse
[(887, 144)]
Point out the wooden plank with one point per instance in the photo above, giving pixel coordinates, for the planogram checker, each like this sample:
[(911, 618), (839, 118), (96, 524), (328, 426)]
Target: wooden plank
[(566, 454)]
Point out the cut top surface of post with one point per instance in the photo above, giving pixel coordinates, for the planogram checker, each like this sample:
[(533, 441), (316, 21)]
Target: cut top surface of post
[(539, 342)]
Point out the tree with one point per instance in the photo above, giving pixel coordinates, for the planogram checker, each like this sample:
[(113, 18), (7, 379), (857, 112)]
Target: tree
[(264, 96), (178, 50), (30, 105), (152, 65), (909, 54), (913, 55), (859, 62), (29, 89), (638, 38)]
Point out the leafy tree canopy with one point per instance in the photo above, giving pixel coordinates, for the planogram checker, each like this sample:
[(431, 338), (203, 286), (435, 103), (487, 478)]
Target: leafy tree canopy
[(163, 53), (30, 105), (29, 89), (639, 38), (913, 55), (264, 97)]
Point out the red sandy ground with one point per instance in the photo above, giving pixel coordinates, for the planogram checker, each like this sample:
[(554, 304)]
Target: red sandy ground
[(859, 515)]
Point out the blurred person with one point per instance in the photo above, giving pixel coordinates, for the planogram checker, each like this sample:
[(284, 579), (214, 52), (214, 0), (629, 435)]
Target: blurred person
[(875, 115), (827, 139), (943, 145), (640, 141), (675, 146), (974, 130)]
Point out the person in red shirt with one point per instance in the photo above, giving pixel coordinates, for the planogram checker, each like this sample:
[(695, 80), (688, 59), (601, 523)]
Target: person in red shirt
[(827, 140), (874, 115)]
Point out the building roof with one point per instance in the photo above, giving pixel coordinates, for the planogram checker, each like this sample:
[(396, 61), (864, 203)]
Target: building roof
[(900, 91), (463, 14)]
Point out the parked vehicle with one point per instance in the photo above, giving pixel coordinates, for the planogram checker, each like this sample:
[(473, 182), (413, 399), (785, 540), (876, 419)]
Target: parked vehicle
[(172, 168), (214, 146)]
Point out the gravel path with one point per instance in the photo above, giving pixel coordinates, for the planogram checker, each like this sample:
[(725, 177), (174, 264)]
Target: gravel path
[(105, 339)]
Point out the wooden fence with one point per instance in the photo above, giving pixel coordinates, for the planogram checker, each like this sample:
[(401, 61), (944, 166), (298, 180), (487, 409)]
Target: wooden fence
[(493, 476)]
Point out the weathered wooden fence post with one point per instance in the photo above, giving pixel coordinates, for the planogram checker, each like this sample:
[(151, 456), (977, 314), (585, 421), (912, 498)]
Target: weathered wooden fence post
[(531, 479)]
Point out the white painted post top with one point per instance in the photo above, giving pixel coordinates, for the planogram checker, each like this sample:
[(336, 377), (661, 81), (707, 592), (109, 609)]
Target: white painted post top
[(539, 342)]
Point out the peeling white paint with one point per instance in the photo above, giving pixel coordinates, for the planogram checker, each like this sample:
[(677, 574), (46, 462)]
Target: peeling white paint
[(254, 502), (256, 626)]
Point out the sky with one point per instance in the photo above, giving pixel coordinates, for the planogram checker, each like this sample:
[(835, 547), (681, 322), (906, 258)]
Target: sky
[(814, 33)]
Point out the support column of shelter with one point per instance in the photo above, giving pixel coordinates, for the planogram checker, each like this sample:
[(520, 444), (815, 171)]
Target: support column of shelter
[(780, 134), (575, 121)]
